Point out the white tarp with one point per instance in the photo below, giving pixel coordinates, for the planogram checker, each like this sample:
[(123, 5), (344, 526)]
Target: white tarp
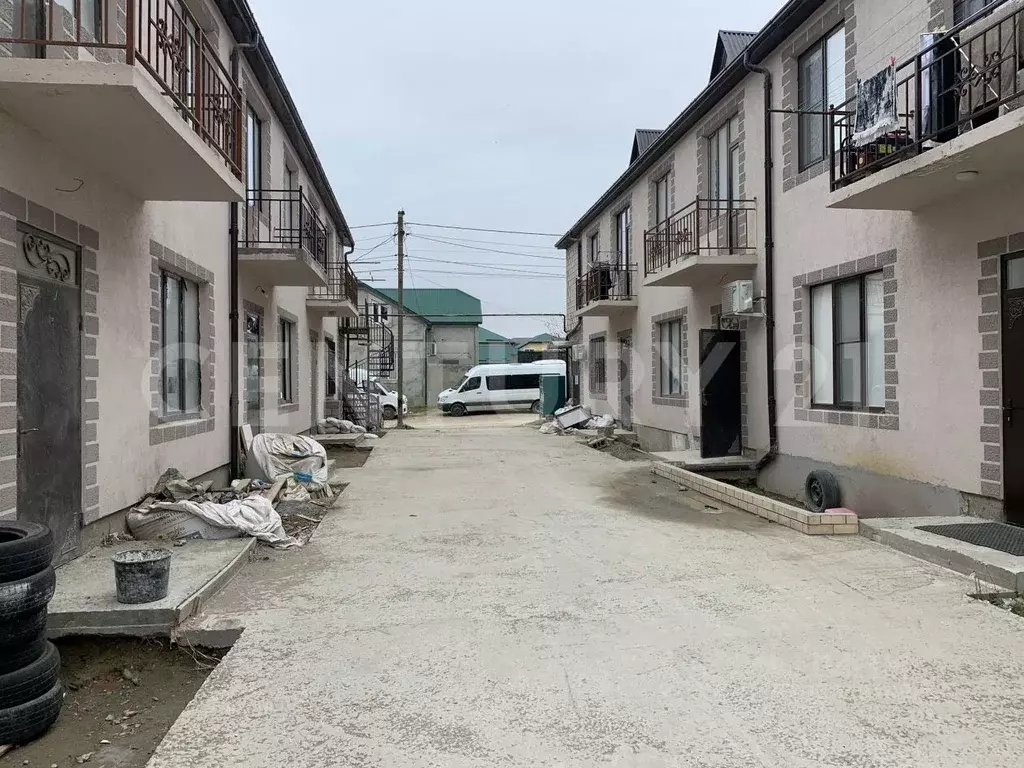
[(287, 456), (254, 516)]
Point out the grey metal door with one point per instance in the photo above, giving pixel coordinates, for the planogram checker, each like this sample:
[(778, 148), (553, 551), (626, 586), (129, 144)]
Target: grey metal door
[(253, 371), (626, 379), (49, 392)]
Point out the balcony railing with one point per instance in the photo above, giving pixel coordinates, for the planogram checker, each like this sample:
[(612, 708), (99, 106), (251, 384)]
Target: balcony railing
[(964, 79), (604, 282), (160, 35), (284, 219), (342, 284), (704, 226)]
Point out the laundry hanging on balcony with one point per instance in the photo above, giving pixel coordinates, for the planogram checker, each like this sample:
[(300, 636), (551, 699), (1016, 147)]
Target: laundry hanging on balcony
[(876, 107)]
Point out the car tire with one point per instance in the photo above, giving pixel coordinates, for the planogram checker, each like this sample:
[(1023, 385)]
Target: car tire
[(389, 413), (23, 629), (26, 722), (821, 491), (25, 549), (458, 410), (21, 656), (535, 408), (32, 680), (28, 594)]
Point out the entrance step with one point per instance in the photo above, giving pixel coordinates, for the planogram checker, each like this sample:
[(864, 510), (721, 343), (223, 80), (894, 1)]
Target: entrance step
[(85, 602), (905, 534)]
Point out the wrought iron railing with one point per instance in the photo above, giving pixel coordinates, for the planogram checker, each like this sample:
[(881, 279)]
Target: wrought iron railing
[(342, 284), (360, 405), (963, 79), (604, 282), (160, 35), (285, 219), (715, 226)]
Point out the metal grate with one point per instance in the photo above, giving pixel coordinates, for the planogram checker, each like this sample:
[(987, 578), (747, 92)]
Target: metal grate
[(999, 536)]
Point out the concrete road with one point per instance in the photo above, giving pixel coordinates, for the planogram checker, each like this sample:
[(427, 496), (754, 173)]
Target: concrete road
[(434, 419), (494, 597)]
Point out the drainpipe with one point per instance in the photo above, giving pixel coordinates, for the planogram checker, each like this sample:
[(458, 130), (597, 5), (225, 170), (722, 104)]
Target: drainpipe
[(233, 303), (769, 263)]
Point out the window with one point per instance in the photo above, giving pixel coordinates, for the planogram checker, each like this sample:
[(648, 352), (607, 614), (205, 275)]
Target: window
[(964, 9), (254, 160), (724, 164), (821, 83), (623, 231), (383, 313), (579, 259), (661, 199), (180, 332), (92, 19), (847, 343), (670, 352), (598, 365), (471, 385), (595, 246), (286, 335), (332, 369), (501, 383)]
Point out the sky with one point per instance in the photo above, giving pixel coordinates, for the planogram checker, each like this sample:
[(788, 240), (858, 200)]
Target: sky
[(474, 113)]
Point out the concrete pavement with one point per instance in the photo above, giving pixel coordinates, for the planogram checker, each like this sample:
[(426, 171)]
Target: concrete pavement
[(495, 597)]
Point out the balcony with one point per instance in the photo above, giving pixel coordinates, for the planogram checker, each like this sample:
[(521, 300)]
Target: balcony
[(148, 104), (340, 297), (282, 240), (709, 242), (957, 125), (606, 290)]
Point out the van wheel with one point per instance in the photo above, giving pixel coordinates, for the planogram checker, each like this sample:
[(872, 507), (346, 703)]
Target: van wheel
[(535, 408), (389, 413), (458, 409)]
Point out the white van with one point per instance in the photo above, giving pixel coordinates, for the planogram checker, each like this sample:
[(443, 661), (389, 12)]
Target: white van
[(499, 387), (388, 401)]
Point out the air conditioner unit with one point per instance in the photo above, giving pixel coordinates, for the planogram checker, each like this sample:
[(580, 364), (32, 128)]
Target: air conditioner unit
[(738, 297)]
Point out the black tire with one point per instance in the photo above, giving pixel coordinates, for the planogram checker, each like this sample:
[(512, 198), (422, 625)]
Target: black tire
[(535, 408), (31, 681), (389, 413), (18, 657), (26, 722), (25, 549), (28, 594), (458, 410), (19, 630), (821, 491)]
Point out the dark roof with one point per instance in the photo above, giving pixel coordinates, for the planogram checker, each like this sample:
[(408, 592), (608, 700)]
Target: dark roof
[(782, 25), (541, 338), (243, 27), (444, 306), (642, 141), (729, 47)]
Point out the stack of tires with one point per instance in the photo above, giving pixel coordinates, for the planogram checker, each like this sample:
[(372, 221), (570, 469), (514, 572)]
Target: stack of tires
[(30, 690)]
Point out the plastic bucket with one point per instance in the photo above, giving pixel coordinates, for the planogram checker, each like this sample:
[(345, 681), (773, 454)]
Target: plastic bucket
[(141, 575)]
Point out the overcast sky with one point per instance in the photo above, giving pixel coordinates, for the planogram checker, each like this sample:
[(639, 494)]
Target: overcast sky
[(485, 114)]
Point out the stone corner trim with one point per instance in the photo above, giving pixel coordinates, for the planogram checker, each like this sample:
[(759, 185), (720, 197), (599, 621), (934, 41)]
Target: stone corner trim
[(802, 385), (161, 430)]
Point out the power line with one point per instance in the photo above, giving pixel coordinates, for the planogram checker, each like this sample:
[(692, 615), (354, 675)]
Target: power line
[(482, 229), (370, 226), (522, 276), (489, 265), (378, 245), (493, 266), (488, 250), (499, 242)]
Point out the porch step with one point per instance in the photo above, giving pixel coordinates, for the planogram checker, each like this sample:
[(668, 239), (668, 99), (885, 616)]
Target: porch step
[(85, 601)]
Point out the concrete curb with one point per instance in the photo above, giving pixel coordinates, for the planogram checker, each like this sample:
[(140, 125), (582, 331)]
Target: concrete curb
[(798, 519), (194, 603)]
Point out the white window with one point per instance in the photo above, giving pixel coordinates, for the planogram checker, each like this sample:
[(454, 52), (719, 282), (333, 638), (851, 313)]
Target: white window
[(724, 164), (821, 84), (848, 344), (964, 9), (595, 245), (286, 370), (670, 352), (661, 211), (598, 366), (180, 332), (623, 232), (254, 158)]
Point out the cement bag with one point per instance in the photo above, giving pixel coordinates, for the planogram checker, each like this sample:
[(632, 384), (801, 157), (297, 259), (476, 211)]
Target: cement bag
[(273, 456), (254, 516), (171, 526)]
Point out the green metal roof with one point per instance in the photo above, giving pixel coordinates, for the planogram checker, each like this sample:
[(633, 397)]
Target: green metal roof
[(538, 339), (485, 335), (448, 306)]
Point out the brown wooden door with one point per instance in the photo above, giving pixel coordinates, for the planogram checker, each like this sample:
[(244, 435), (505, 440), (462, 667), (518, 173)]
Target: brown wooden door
[(1013, 388)]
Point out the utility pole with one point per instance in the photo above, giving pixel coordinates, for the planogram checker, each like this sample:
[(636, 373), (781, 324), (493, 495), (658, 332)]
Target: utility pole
[(400, 342)]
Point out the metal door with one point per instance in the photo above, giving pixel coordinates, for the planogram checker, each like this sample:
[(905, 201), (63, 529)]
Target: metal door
[(721, 423), (253, 371), (50, 391), (626, 379), (1013, 388)]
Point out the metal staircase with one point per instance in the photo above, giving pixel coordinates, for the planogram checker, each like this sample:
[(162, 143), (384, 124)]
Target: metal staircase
[(370, 351)]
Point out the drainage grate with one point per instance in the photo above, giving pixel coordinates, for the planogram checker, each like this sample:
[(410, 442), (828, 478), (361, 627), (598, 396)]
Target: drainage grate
[(1005, 538)]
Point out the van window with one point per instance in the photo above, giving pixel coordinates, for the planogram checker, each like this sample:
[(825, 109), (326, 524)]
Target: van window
[(523, 381), (381, 389), (471, 385)]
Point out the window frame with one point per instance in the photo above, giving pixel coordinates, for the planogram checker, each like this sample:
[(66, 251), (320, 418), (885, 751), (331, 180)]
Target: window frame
[(660, 216), (254, 160), (623, 235), (286, 367), (960, 14), (593, 248), (732, 147), (331, 369), (181, 411), (835, 346), (820, 47), (598, 376), (665, 363)]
